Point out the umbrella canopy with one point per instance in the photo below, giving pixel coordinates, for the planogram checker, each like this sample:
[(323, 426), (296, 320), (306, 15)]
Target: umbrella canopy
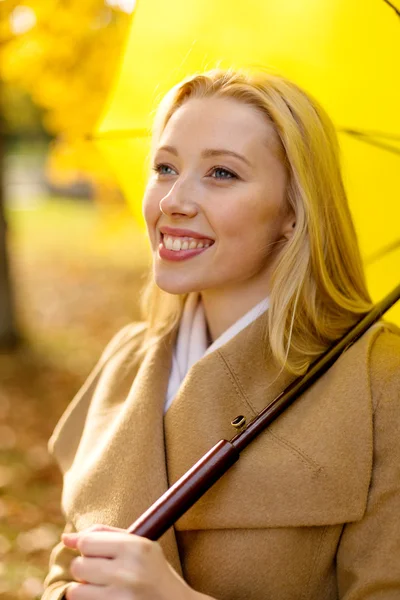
[(346, 54)]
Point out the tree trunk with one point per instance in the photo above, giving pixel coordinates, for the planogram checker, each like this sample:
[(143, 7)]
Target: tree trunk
[(8, 332)]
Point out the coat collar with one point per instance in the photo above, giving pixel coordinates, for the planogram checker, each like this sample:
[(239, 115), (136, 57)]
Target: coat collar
[(311, 467), (119, 468), (313, 464)]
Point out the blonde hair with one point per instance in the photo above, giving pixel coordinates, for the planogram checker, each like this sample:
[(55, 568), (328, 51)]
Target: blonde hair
[(318, 288)]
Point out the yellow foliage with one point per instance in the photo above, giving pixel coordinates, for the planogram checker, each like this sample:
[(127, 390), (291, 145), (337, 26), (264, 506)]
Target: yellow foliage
[(64, 55)]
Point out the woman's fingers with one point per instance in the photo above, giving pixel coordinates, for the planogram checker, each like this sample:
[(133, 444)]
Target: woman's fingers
[(122, 566), (110, 544), (71, 539), (97, 571), (77, 591), (103, 572)]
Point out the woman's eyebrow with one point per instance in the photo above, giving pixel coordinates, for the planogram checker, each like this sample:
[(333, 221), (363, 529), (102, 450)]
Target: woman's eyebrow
[(210, 152)]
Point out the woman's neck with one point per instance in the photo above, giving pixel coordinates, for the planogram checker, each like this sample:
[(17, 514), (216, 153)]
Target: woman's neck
[(223, 309)]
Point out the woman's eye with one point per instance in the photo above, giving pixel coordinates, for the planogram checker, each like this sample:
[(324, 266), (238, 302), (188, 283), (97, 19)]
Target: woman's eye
[(216, 173), (162, 169), (222, 173)]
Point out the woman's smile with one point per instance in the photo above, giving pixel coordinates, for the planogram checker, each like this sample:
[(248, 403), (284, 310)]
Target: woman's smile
[(181, 244), (181, 248)]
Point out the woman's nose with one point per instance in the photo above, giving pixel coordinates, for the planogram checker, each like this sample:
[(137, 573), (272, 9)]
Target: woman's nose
[(179, 201)]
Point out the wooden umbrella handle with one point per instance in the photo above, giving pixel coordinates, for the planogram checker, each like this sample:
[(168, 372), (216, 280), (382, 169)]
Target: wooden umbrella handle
[(186, 491)]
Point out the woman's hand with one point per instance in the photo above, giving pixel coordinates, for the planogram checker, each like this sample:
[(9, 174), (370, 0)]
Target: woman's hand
[(122, 566)]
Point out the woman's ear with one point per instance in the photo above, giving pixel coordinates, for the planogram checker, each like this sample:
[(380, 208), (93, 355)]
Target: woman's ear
[(289, 228)]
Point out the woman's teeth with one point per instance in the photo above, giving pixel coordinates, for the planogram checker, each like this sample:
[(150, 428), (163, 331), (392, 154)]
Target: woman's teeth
[(183, 243)]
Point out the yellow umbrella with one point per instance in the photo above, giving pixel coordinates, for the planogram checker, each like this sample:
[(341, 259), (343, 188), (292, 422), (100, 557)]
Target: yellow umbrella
[(344, 53)]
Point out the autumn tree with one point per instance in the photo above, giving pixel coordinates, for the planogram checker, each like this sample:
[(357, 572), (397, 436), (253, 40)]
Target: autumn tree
[(8, 332), (63, 54)]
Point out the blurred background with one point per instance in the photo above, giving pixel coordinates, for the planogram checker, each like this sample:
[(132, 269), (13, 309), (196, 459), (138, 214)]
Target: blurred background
[(71, 257), (79, 82)]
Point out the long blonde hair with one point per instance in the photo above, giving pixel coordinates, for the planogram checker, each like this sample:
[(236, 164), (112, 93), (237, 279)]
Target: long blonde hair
[(318, 288)]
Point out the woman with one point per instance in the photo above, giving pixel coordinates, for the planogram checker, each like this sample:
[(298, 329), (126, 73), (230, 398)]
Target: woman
[(256, 272)]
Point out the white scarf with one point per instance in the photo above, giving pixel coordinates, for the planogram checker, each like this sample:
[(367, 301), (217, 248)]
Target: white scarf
[(192, 343)]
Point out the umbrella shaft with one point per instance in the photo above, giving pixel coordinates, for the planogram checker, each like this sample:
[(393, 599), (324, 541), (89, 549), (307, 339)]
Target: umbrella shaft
[(185, 492)]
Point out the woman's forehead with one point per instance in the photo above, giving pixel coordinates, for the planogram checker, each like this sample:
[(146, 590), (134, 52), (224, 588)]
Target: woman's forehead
[(208, 122)]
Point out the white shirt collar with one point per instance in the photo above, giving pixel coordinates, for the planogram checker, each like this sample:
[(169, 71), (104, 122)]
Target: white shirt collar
[(192, 343), (240, 324)]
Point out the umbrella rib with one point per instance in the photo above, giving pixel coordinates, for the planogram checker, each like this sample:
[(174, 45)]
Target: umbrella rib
[(396, 10), (142, 132), (368, 139), (382, 252), (374, 134)]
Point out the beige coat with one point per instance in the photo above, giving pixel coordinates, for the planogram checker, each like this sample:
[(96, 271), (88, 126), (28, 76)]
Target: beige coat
[(311, 511)]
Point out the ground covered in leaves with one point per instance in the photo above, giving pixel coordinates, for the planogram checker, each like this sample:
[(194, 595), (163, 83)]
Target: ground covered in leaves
[(77, 271)]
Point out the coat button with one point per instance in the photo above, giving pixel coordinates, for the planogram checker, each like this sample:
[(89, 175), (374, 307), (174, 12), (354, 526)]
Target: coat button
[(238, 422)]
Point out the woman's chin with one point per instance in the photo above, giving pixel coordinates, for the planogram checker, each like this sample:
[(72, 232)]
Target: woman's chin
[(174, 286)]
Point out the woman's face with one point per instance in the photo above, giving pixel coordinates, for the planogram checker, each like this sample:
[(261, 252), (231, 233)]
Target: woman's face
[(215, 206)]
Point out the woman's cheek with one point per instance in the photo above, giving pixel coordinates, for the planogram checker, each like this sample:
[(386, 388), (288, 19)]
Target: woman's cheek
[(151, 214)]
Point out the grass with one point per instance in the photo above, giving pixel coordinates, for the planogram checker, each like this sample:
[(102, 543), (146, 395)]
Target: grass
[(79, 229)]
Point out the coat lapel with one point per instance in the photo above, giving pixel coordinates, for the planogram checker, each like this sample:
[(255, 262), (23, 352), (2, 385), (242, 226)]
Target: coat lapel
[(127, 456), (313, 464), (119, 469)]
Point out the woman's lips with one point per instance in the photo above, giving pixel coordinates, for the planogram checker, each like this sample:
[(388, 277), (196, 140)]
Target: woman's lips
[(179, 255)]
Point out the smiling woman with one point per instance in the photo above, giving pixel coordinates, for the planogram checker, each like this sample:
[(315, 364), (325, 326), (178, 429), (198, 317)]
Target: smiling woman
[(277, 181), (213, 202), (256, 271)]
